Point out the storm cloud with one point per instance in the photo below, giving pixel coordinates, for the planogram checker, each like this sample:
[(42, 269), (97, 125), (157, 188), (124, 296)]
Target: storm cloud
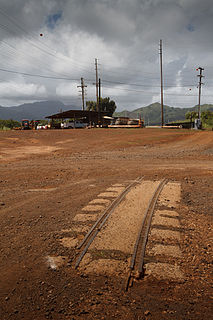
[(46, 46)]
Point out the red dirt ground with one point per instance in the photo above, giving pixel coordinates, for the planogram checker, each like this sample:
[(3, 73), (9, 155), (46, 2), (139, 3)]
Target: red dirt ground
[(47, 177)]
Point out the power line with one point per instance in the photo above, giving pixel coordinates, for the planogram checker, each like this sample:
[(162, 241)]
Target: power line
[(146, 85), (152, 92), (90, 80), (44, 50), (14, 21), (13, 52), (37, 75)]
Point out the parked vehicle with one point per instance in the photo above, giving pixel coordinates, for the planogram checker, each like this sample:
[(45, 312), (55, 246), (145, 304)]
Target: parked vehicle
[(42, 127), (25, 124), (34, 124), (73, 124), (29, 125)]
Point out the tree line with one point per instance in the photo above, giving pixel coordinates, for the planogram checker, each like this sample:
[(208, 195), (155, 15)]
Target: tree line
[(206, 117), (9, 124), (105, 105)]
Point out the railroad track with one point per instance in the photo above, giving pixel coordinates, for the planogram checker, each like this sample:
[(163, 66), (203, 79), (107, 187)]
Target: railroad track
[(137, 261), (92, 233)]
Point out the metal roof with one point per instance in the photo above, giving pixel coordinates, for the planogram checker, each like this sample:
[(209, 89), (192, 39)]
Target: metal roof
[(92, 115)]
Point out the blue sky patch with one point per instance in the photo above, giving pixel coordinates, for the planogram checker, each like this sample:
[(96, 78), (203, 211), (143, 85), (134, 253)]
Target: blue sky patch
[(52, 19), (190, 27)]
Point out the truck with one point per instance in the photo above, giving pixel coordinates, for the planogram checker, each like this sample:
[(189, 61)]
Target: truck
[(29, 125), (73, 124), (25, 124)]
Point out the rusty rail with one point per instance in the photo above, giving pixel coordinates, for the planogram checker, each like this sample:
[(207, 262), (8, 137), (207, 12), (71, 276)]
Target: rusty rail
[(140, 244), (92, 233)]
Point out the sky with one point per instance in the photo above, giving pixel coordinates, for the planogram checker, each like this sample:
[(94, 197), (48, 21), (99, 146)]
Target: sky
[(47, 46)]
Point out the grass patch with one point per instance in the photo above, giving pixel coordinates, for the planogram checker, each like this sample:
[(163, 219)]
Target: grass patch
[(5, 129)]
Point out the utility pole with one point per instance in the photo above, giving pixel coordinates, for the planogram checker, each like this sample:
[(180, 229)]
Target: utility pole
[(99, 100), (200, 76), (82, 86), (96, 82), (161, 80), (99, 94)]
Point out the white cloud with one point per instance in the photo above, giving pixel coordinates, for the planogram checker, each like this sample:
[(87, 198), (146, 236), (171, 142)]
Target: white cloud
[(124, 35), (66, 89), (13, 89)]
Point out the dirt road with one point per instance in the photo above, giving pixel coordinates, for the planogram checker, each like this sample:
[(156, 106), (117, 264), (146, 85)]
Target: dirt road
[(53, 186)]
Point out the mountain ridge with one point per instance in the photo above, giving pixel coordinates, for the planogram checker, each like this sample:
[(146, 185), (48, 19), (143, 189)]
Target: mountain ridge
[(36, 110), (152, 113)]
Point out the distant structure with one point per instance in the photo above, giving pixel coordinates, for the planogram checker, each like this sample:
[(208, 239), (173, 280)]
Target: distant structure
[(89, 117)]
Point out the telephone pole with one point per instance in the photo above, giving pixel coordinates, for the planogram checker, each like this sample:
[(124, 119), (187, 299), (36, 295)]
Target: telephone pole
[(161, 80), (82, 86), (200, 76), (99, 95), (96, 82), (99, 100)]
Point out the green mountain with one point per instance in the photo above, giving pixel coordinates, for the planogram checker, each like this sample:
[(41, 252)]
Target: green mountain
[(36, 110), (152, 113)]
